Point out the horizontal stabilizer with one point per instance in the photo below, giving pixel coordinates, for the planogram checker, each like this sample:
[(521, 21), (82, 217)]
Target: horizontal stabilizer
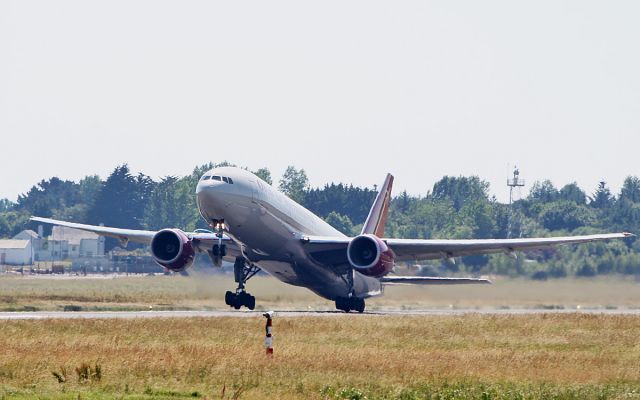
[(431, 280)]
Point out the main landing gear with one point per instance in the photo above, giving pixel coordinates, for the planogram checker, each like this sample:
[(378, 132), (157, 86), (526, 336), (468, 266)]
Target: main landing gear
[(347, 304), (242, 273), (350, 303)]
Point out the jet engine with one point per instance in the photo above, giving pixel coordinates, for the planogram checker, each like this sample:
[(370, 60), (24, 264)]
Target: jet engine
[(172, 249), (370, 256)]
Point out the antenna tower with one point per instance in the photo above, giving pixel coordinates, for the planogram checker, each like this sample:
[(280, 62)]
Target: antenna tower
[(514, 183)]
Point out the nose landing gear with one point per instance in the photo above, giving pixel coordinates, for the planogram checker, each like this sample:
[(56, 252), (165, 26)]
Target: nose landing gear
[(242, 272)]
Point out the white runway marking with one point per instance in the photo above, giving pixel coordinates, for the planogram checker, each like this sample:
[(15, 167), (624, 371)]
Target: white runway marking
[(247, 314)]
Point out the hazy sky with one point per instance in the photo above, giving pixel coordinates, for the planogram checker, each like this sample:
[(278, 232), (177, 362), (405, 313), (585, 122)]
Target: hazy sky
[(347, 90)]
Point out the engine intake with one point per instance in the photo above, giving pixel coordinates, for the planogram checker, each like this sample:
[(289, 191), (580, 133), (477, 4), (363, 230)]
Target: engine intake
[(370, 255), (172, 249)]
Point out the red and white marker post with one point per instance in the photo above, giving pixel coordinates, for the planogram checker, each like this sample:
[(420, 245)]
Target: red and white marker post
[(268, 340)]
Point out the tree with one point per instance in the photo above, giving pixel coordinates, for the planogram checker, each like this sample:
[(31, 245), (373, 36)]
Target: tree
[(425, 218), (460, 190), (6, 205), (404, 202), (294, 183), (264, 174), (543, 192), (631, 189), (49, 196), (572, 192), (340, 222), (479, 216), (568, 215), (353, 202), (625, 215), (602, 197), (12, 222), (89, 187), (171, 205), (122, 199)]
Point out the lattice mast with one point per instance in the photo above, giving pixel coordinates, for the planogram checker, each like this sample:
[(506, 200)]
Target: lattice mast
[(514, 184)]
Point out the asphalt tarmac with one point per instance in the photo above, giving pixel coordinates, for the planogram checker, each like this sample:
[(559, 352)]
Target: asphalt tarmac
[(303, 313)]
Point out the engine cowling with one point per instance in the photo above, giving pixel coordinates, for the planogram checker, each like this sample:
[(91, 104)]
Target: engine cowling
[(370, 256), (172, 249)]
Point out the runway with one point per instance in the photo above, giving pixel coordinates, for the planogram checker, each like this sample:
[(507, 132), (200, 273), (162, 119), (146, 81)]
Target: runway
[(292, 313)]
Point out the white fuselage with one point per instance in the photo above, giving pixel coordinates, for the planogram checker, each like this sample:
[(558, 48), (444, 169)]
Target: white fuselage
[(270, 228)]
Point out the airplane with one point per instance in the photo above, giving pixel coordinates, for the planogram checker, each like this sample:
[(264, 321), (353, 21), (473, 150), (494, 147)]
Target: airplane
[(257, 227)]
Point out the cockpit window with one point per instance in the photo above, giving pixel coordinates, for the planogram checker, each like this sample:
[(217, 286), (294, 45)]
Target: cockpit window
[(217, 178)]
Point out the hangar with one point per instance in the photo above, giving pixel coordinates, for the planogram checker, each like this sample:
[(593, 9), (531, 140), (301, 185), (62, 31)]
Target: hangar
[(16, 252)]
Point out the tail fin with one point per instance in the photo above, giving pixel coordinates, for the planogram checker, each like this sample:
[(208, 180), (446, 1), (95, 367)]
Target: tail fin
[(378, 214)]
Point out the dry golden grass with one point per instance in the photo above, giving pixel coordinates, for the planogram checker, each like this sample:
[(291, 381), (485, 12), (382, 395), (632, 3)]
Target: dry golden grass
[(337, 356), (207, 292)]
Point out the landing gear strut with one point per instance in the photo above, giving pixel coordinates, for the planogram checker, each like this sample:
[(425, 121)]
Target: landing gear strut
[(219, 250), (242, 273), (350, 303)]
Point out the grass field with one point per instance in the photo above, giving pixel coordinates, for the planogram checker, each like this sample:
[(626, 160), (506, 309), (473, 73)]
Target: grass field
[(545, 356), (207, 292)]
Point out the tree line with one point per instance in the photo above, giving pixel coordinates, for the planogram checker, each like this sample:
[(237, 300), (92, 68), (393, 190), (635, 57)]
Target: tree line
[(454, 207)]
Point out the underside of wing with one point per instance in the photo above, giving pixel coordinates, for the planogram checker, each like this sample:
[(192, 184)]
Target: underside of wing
[(431, 280), (124, 235), (204, 241), (334, 248), (409, 249)]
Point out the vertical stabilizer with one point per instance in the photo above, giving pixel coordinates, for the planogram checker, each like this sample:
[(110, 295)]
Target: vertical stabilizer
[(378, 214)]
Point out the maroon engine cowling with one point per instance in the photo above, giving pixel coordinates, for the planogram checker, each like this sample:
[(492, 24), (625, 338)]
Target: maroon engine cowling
[(172, 249), (370, 256)]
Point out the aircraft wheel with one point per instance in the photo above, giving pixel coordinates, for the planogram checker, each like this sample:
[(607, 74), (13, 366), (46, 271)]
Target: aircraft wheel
[(359, 305), (251, 302), (342, 304), (229, 298)]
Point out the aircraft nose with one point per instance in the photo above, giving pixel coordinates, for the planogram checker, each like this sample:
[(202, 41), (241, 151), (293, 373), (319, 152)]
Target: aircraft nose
[(212, 194), (208, 189)]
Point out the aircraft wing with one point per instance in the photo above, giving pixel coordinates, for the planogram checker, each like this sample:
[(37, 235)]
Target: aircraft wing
[(410, 249), (429, 249), (203, 241)]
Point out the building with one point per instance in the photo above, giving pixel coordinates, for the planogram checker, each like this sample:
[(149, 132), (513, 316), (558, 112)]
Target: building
[(73, 243), (37, 243), (27, 234), (64, 243), (16, 252)]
